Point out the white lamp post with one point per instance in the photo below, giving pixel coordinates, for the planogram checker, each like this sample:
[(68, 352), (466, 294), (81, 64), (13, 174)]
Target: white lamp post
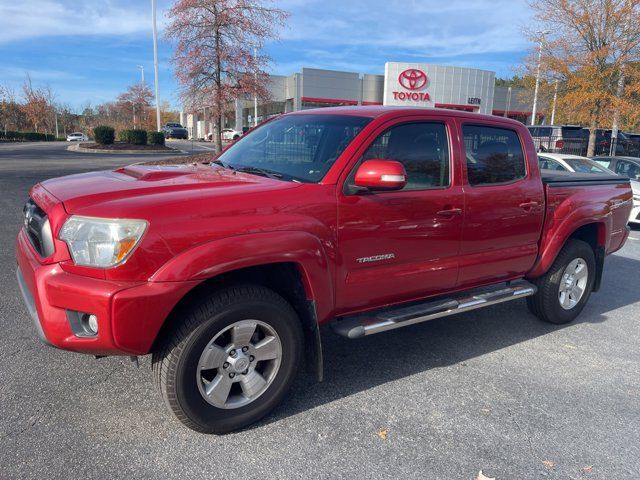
[(155, 61), (535, 92)]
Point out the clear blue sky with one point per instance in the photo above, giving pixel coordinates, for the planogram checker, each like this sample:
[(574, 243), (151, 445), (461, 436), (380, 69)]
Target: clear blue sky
[(87, 51)]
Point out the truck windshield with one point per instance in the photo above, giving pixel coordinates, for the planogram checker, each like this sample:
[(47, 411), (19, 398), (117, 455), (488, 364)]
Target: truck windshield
[(299, 147)]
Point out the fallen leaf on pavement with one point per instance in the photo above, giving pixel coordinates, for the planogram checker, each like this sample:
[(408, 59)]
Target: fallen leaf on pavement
[(482, 476), (382, 434), (548, 463), (572, 347), (587, 469)]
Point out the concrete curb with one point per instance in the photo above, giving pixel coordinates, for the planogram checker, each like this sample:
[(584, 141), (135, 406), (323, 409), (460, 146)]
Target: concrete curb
[(77, 148)]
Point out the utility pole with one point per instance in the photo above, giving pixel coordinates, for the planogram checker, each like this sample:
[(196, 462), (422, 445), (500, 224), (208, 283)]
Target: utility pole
[(255, 97), (55, 112), (508, 102), (534, 110), (555, 99), (141, 67), (616, 114), (155, 61)]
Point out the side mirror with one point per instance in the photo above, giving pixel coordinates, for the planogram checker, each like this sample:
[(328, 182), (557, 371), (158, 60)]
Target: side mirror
[(383, 175)]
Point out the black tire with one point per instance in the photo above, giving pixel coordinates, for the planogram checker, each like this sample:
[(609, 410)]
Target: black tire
[(545, 304), (175, 359), (235, 137)]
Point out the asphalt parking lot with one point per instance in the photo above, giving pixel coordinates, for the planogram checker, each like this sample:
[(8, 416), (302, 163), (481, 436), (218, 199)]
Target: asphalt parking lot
[(493, 390)]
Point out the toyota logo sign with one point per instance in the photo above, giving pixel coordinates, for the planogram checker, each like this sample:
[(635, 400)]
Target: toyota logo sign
[(412, 79)]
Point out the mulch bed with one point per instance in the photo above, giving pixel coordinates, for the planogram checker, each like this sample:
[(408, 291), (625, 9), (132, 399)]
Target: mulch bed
[(125, 146)]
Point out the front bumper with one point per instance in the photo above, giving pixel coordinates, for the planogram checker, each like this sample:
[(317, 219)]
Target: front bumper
[(130, 314)]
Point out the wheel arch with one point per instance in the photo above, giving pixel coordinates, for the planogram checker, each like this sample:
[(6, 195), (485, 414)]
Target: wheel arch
[(288, 279), (293, 264), (594, 232)]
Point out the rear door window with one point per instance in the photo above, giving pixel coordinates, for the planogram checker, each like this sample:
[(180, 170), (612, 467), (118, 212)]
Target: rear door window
[(494, 155), (605, 162), (550, 164), (628, 169), (573, 133)]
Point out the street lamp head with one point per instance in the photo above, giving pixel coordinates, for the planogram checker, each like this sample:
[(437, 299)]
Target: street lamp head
[(542, 33)]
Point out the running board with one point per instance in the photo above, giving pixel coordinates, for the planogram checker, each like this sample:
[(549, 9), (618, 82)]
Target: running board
[(361, 325)]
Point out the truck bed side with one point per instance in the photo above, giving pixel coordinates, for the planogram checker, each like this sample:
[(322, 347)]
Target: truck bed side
[(594, 208)]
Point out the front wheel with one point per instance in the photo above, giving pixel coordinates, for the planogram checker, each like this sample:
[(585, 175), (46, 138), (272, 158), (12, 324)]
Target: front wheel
[(230, 359), (564, 290)]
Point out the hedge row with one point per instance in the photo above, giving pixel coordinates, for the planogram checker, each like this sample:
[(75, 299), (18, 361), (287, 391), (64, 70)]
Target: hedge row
[(104, 135), (156, 138), (26, 136), (134, 136), (141, 137)]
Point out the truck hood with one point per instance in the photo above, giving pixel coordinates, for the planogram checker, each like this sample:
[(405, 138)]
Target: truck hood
[(128, 184)]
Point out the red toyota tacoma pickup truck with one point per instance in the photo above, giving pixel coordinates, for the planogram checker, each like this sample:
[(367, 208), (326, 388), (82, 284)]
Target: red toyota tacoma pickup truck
[(365, 218)]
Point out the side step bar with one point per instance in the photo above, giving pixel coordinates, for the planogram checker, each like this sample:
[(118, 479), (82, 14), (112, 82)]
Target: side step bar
[(361, 325)]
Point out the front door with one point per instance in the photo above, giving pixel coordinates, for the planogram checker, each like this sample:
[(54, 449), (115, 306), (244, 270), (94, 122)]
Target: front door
[(402, 245)]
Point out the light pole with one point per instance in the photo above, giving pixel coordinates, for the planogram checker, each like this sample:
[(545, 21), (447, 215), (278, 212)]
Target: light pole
[(255, 97), (155, 61), (141, 67), (508, 102), (535, 92), (555, 99)]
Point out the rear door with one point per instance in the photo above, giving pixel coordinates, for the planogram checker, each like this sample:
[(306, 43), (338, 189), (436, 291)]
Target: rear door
[(504, 205), (402, 245)]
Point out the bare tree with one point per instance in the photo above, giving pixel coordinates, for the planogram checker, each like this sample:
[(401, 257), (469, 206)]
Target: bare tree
[(10, 112), (137, 99), (215, 57), (38, 105)]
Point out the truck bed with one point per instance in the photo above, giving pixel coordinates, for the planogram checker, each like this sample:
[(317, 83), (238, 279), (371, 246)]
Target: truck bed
[(572, 178)]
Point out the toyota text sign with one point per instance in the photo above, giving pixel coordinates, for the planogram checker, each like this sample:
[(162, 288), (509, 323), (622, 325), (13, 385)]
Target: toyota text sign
[(413, 80)]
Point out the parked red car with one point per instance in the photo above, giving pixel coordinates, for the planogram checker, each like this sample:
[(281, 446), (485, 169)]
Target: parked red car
[(366, 218)]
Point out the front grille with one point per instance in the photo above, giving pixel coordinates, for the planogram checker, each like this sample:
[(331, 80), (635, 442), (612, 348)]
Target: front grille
[(36, 225)]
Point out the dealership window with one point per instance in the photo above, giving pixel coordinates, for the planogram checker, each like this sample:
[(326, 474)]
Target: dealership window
[(494, 155), (423, 149)]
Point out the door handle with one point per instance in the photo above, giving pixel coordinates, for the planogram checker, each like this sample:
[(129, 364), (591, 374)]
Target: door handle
[(450, 211), (528, 205)]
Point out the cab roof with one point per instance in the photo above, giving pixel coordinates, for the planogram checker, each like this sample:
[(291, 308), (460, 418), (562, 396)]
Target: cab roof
[(375, 111)]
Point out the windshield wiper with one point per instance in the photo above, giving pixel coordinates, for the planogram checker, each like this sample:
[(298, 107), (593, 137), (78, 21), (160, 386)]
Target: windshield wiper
[(221, 163), (256, 171), (260, 171)]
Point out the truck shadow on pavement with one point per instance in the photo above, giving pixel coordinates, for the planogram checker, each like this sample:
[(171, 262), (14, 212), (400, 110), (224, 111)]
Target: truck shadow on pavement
[(352, 366)]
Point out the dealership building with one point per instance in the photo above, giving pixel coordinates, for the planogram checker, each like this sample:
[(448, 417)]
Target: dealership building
[(403, 84)]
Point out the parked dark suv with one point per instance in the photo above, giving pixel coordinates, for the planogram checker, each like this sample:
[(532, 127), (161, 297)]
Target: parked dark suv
[(175, 130), (574, 140), (558, 138)]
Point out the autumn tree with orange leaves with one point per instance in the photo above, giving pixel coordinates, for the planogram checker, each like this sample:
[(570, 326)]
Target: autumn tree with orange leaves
[(214, 57), (593, 51), (38, 106)]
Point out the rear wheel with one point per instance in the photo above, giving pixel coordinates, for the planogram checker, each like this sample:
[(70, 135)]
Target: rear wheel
[(564, 290), (230, 359)]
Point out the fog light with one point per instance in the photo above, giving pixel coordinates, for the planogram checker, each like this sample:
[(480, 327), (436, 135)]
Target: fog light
[(92, 322)]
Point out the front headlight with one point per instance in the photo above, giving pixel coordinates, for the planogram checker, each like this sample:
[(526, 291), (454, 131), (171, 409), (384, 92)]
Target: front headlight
[(101, 242)]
